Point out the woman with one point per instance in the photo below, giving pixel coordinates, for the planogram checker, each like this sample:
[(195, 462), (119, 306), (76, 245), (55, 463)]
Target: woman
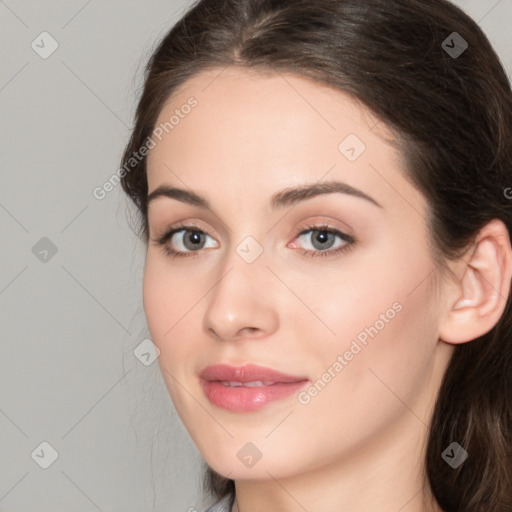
[(377, 135)]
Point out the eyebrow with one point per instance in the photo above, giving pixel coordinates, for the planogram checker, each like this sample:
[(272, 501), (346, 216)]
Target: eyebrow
[(286, 197)]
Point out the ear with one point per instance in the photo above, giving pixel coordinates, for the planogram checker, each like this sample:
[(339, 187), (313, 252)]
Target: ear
[(478, 299)]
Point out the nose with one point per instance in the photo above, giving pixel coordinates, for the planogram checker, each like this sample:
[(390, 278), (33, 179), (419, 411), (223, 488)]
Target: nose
[(242, 303)]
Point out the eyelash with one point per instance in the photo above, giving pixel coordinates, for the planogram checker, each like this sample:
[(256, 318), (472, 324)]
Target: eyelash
[(163, 238)]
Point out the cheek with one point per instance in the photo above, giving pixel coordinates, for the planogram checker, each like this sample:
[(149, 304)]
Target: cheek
[(383, 352), (361, 388), (171, 301), (168, 298), (378, 316), (343, 303)]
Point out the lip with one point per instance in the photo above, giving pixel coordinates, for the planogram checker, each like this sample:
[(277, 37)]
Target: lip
[(278, 386)]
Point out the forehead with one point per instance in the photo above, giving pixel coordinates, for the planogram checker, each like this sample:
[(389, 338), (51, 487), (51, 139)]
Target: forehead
[(279, 102), (251, 131), (262, 111)]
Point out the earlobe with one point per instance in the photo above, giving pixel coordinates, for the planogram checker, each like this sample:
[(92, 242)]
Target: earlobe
[(478, 301)]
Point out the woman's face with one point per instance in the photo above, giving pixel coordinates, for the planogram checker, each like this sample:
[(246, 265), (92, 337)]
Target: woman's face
[(350, 314)]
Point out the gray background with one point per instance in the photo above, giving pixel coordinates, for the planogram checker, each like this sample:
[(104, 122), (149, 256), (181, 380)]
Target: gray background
[(70, 321)]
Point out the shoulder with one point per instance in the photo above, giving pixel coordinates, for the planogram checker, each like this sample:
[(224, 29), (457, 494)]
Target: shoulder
[(223, 505)]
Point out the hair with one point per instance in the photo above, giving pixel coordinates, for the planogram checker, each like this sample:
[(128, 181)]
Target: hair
[(452, 117)]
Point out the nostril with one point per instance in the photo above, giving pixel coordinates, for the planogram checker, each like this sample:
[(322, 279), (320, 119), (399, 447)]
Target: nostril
[(249, 330)]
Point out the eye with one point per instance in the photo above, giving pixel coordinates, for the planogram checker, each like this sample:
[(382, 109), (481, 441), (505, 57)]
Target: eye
[(184, 240), (188, 240), (322, 241)]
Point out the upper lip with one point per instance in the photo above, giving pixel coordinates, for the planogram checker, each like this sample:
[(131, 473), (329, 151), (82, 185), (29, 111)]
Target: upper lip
[(246, 373)]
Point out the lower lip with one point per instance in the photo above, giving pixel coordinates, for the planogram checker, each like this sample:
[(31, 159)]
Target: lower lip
[(247, 399)]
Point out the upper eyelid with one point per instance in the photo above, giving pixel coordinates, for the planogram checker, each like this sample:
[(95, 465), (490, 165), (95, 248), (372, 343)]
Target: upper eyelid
[(178, 226), (224, 229), (319, 221)]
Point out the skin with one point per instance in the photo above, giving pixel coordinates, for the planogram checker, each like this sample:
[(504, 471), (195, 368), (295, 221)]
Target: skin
[(359, 443)]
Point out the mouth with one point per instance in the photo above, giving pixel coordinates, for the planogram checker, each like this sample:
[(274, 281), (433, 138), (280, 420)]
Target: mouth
[(247, 388)]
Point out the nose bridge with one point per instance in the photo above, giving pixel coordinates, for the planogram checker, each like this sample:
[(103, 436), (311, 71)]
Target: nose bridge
[(239, 299), (248, 258)]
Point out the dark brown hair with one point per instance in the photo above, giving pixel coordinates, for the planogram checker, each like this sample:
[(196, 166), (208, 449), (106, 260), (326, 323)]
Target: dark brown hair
[(452, 116)]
